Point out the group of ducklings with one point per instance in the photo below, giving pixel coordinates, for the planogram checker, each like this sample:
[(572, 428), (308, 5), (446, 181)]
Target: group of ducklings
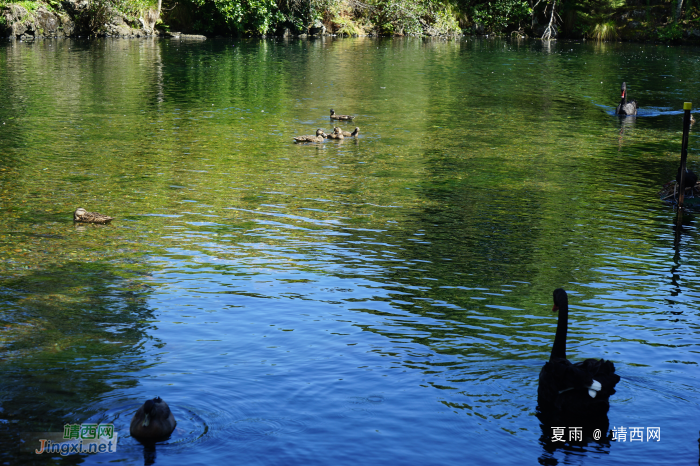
[(337, 133)]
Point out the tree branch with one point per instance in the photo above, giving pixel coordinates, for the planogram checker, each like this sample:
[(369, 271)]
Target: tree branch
[(550, 30)]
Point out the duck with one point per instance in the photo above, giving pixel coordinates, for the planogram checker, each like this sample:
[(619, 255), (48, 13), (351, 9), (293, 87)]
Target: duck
[(690, 178), (626, 108), (340, 117), (336, 134), (573, 389), (347, 134), (153, 421), (82, 215), (320, 136)]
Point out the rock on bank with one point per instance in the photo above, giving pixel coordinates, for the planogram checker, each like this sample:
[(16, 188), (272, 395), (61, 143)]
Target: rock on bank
[(72, 18)]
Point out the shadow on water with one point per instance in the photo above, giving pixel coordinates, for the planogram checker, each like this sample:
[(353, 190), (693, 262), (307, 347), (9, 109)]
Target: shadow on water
[(680, 228), (572, 436), (72, 335)]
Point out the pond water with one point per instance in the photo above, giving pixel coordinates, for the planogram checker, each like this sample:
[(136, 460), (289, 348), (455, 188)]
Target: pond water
[(379, 300)]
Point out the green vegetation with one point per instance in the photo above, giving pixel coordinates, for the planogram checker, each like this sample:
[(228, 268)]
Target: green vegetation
[(499, 16), (604, 31), (601, 20), (672, 31), (29, 6)]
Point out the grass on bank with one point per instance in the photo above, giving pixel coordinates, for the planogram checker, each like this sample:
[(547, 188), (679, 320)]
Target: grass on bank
[(26, 4), (604, 31)]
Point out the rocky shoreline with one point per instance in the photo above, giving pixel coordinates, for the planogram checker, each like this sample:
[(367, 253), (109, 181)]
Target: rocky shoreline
[(69, 21), (80, 18), (16, 22)]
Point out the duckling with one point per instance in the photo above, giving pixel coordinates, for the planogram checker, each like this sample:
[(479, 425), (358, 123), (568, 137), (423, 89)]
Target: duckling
[(348, 134), (153, 421), (320, 135), (340, 117), (336, 134), (82, 215)]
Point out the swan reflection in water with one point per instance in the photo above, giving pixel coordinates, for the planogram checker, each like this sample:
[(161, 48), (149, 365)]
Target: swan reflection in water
[(626, 123), (571, 434)]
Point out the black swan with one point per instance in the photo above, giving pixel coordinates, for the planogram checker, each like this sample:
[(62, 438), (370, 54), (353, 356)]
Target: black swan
[(340, 117), (153, 421), (690, 178), (626, 108), (580, 389)]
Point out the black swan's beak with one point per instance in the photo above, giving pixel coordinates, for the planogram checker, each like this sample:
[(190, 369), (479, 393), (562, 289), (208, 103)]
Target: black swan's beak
[(623, 95), (555, 308)]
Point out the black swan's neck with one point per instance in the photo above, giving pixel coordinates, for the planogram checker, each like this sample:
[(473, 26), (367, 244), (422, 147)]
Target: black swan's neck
[(623, 99), (559, 346)]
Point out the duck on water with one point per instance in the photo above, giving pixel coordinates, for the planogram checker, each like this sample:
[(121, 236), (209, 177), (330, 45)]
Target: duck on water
[(153, 421), (347, 134), (319, 137), (334, 116), (82, 215)]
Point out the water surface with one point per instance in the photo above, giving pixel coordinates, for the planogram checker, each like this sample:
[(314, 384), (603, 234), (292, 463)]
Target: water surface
[(380, 300)]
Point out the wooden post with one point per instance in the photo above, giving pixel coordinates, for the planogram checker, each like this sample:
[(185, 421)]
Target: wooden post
[(684, 150), (687, 106)]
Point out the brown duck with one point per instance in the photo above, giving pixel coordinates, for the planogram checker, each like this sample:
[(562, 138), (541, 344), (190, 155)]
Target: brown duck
[(153, 421), (320, 135), (348, 134), (336, 134), (82, 215), (340, 117)]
